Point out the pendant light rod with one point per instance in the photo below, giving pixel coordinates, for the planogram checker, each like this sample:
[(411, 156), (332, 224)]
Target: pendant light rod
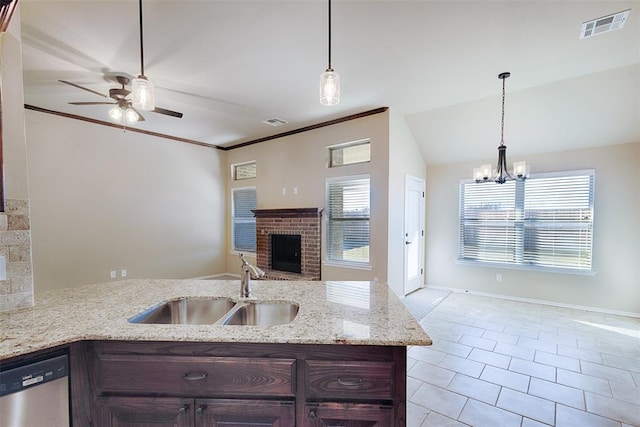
[(329, 62), (141, 38)]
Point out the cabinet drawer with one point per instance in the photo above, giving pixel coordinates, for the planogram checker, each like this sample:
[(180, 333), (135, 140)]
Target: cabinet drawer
[(194, 376), (349, 379)]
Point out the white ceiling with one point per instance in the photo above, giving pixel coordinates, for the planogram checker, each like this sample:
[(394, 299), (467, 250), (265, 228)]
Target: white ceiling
[(229, 65)]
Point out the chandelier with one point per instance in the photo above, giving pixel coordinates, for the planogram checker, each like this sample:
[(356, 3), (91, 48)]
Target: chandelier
[(501, 174)]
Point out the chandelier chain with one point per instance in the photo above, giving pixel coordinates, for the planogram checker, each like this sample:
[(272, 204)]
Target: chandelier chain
[(502, 123)]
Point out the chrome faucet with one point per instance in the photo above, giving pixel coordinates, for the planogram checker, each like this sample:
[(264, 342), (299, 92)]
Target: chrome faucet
[(248, 272)]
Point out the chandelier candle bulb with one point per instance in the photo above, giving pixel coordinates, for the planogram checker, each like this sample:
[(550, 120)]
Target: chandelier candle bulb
[(486, 171), (520, 169)]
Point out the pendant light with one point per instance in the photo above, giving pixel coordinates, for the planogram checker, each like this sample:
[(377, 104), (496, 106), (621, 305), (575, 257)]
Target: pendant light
[(142, 90), (329, 80), (501, 174)]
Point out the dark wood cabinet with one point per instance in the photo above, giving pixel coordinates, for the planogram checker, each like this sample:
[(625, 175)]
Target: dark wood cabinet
[(131, 411), (119, 411), (328, 414), (237, 384)]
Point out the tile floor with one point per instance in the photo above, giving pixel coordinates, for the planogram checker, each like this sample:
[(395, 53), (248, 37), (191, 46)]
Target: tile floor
[(497, 362)]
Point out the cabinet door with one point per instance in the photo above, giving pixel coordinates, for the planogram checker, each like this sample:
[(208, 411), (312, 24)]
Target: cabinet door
[(145, 412), (244, 413), (329, 414)]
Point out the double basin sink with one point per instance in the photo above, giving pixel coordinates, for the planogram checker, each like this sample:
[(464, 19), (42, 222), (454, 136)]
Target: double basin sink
[(218, 311)]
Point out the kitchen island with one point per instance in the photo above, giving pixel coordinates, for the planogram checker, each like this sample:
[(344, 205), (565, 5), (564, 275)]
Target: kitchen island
[(341, 359)]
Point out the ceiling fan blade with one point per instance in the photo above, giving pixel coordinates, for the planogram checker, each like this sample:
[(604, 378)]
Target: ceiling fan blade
[(83, 88), (167, 112), (92, 103)]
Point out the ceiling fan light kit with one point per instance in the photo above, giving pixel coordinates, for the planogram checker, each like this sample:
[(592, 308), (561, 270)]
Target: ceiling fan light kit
[(329, 80), (501, 174)]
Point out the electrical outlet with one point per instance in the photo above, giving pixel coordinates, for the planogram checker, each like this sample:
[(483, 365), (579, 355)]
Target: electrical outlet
[(113, 274), (498, 277), (123, 273)]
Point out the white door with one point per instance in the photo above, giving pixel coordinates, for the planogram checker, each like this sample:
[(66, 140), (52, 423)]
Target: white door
[(413, 233)]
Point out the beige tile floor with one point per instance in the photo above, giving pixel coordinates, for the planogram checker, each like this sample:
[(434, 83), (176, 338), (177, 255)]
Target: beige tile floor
[(497, 362)]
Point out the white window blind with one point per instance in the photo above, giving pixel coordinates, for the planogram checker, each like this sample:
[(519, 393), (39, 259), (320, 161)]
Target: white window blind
[(243, 219), (545, 221), (348, 219)]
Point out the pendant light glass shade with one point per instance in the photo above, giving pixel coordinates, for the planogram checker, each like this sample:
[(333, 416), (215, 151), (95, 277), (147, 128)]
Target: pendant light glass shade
[(143, 94), (329, 87)]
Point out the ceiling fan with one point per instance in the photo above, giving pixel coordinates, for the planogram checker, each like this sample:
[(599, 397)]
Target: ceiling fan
[(123, 109), (142, 91)]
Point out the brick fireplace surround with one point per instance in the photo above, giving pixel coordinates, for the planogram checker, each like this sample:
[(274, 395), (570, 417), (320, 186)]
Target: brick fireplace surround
[(305, 222)]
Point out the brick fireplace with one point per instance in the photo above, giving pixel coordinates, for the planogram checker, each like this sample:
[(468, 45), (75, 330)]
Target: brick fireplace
[(303, 222)]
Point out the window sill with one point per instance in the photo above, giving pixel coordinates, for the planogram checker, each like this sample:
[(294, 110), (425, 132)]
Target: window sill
[(557, 270), (347, 264)]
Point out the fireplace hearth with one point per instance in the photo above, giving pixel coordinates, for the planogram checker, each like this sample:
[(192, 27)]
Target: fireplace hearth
[(291, 225)]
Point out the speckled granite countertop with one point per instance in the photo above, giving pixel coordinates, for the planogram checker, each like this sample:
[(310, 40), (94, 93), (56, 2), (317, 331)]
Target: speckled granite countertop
[(360, 313)]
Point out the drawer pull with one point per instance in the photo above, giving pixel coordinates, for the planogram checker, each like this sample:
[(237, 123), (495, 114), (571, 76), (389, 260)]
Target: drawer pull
[(350, 382), (194, 376)]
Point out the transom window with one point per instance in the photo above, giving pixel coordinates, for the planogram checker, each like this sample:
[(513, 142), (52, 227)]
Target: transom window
[(543, 222), (349, 153), (242, 171)]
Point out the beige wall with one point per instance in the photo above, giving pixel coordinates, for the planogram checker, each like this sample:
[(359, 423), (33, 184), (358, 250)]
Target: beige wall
[(103, 199), (405, 159), (299, 161), (616, 246)]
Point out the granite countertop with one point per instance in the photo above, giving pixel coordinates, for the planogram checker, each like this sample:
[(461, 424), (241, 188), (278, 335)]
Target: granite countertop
[(359, 313)]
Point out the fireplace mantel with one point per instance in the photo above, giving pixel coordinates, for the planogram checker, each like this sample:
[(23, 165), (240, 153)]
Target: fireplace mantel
[(288, 213), (305, 222)]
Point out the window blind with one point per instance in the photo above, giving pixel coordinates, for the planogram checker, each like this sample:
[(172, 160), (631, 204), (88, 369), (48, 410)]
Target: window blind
[(348, 204), (545, 221), (244, 221)]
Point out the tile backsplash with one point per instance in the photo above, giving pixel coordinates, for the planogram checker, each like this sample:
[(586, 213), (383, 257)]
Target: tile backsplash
[(15, 245)]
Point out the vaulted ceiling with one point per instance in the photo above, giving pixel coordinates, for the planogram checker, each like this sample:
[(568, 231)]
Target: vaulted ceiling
[(230, 65)]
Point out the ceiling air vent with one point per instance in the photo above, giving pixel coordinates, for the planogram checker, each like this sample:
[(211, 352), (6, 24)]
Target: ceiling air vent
[(274, 121), (604, 24)]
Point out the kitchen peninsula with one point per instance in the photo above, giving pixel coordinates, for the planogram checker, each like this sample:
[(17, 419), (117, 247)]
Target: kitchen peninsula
[(342, 358)]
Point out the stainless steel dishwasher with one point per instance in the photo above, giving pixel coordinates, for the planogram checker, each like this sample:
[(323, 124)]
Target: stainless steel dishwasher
[(35, 393)]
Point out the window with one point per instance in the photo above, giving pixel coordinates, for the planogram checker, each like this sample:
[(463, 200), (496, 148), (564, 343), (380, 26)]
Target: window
[(243, 170), (348, 220), (349, 153), (543, 222), (243, 220)]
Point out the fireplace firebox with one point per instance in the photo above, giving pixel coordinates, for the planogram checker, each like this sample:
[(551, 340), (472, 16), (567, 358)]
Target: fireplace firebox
[(286, 252)]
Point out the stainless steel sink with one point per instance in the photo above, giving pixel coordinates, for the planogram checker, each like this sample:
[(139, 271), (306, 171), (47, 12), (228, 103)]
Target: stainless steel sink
[(192, 311), (261, 314), (220, 311)]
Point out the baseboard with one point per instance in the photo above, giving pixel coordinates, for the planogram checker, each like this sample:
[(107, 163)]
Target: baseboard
[(538, 301)]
